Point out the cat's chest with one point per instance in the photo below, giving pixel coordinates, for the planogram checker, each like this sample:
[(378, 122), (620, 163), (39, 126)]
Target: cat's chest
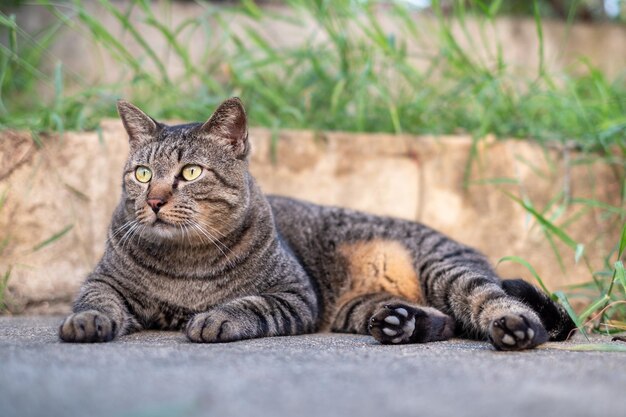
[(167, 290), (189, 282), (171, 302), (167, 303), (193, 294)]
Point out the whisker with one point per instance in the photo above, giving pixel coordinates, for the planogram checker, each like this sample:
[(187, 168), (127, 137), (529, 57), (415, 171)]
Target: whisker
[(196, 226), (186, 233), (211, 229), (120, 230), (128, 235), (142, 230), (128, 229)]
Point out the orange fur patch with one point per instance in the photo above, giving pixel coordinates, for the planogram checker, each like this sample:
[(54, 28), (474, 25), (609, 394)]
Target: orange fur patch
[(380, 265)]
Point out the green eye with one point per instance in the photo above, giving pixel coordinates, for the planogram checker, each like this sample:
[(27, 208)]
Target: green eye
[(191, 172), (143, 174)]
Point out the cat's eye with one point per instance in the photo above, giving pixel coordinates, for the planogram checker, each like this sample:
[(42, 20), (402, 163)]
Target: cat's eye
[(191, 172), (143, 174)]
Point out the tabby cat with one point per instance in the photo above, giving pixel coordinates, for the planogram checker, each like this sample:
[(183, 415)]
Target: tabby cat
[(195, 245)]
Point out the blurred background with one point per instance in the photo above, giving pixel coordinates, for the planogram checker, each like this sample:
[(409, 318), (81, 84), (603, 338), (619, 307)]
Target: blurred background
[(375, 66), (513, 112)]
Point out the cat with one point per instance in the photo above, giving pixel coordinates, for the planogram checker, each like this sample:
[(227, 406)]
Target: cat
[(194, 245)]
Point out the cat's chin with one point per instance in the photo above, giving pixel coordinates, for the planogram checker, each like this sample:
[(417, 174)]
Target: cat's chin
[(163, 231)]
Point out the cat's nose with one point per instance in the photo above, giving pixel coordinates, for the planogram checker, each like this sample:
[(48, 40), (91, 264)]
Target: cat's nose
[(156, 204)]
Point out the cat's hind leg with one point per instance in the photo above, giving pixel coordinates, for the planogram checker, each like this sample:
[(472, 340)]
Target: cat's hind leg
[(392, 320), (555, 319), (482, 308), (460, 281)]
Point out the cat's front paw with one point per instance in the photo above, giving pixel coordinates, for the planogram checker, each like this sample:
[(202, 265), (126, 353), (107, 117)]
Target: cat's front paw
[(516, 332), (217, 326), (400, 323), (87, 327)]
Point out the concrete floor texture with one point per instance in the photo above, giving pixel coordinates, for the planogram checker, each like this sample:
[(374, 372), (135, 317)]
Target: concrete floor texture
[(161, 374)]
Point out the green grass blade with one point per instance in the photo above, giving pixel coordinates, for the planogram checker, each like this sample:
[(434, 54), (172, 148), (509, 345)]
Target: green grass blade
[(539, 28), (53, 238), (170, 37), (593, 347), (570, 311), (530, 268), (620, 274), (337, 91), (58, 84), (494, 8), (494, 181), (101, 34), (4, 282), (4, 243), (622, 242), (599, 204), (395, 118), (4, 66), (8, 22), (130, 27), (555, 250), (564, 237), (593, 307), (251, 9), (580, 249), (3, 198)]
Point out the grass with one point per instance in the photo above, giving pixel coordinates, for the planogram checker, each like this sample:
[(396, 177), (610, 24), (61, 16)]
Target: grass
[(52, 238), (361, 78), (606, 293), (4, 282), (347, 73), (605, 310), (6, 274)]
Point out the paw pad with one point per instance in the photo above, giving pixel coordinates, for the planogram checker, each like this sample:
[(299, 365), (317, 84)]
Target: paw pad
[(392, 324), (516, 332)]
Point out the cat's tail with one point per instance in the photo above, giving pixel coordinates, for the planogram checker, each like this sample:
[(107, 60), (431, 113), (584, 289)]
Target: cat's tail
[(553, 316)]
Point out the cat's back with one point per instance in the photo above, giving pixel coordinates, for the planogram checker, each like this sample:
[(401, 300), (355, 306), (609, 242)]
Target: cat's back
[(300, 221)]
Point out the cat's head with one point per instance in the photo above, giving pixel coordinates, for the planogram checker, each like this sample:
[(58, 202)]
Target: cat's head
[(186, 183)]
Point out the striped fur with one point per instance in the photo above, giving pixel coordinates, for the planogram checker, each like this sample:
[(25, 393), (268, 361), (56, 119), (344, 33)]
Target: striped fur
[(223, 262)]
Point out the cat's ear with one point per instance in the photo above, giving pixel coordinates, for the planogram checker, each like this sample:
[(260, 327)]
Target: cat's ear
[(229, 125), (140, 127)]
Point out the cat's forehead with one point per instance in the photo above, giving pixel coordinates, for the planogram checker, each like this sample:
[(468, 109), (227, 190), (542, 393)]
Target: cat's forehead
[(178, 144), (178, 132)]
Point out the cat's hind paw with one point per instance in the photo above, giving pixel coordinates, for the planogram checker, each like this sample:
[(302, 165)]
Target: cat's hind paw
[(516, 332), (400, 323)]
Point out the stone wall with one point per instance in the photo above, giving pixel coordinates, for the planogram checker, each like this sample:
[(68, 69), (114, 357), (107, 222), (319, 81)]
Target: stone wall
[(73, 181)]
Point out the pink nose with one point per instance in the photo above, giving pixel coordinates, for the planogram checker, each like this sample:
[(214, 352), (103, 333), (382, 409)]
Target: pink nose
[(156, 203)]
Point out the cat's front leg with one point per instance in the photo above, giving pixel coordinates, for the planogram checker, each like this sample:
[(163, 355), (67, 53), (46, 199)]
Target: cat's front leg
[(87, 327), (99, 314), (279, 314)]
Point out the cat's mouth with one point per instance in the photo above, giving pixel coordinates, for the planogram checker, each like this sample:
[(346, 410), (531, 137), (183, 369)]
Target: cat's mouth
[(163, 229), (158, 222), (162, 223)]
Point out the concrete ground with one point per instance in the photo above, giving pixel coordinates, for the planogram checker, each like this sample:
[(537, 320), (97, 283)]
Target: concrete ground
[(161, 374)]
